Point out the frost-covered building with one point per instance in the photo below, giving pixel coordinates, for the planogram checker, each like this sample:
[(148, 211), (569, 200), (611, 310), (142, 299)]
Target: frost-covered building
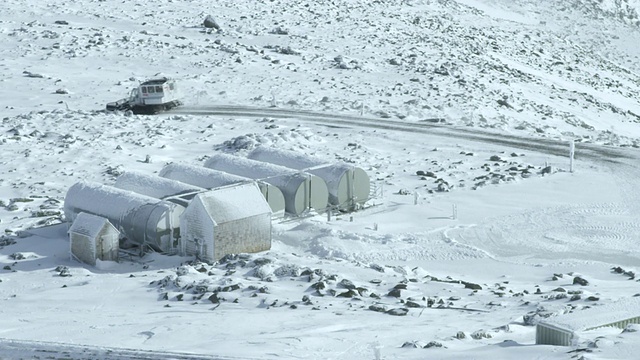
[(564, 330), (210, 179), (302, 191), (142, 219), (348, 185), (228, 220), (155, 186), (93, 238)]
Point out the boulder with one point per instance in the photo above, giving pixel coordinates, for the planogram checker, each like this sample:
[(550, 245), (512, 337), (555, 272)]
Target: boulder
[(210, 23)]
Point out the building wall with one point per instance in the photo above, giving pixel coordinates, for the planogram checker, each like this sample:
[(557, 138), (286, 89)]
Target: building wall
[(197, 225), (549, 335), (247, 235), (107, 244), (83, 248)]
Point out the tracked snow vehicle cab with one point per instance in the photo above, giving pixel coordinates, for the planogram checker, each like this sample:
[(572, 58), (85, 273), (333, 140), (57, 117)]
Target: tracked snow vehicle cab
[(151, 97)]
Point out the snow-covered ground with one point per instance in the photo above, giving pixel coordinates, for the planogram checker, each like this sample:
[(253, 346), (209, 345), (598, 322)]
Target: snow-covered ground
[(480, 97)]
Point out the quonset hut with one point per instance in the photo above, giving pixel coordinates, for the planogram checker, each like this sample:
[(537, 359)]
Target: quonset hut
[(565, 330), (228, 220), (302, 191), (348, 185), (142, 219), (156, 186), (210, 179)]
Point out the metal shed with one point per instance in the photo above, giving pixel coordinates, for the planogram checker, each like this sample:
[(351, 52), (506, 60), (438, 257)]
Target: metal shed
[(93, 238), (140, 218), (564, 330), (157, 187), (348, 185), (228, 220), (302, 191), (210, 179)]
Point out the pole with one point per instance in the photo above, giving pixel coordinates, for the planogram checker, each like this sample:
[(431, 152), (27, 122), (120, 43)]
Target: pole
[(572, 150)]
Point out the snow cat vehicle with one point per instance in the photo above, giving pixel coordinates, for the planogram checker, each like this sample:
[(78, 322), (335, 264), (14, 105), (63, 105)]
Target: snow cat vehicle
[(151, 97)]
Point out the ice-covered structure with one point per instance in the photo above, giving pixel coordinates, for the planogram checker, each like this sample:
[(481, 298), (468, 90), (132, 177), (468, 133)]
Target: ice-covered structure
[(93, 238), (210, 179), (564, 330), (155, 186), (348, 185), (140, 218), (302, 191), (227, 220)]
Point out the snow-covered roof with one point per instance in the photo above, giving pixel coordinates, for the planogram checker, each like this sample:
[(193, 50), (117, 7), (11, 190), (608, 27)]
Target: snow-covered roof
[(246, 167), (597, 316), (200, 176), (290, 159), (234, 202), (154, 186), (89, 225)]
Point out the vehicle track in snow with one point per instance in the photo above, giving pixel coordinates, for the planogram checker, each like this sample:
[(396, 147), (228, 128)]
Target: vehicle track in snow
[(27, 349), (538, 144)]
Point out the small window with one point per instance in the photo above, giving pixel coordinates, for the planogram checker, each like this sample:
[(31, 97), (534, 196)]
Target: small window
[(151, 89), (171, 86), (144, 89), (158, 89)]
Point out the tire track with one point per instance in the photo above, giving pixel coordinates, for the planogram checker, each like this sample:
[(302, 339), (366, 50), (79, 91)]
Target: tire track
[(549, 146)]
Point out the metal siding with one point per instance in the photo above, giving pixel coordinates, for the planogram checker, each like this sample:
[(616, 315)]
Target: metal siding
[(83, 248), (247, 235)]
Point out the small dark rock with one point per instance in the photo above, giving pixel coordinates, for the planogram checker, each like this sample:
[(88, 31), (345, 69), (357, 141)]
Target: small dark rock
[(433, 344), (347, 284), (210, 23), (214, 298), (395, 293), (398, 312), (472, 286), (410, 344), (580, 281), (412, 304), (378, 308), (461, 335), (593, 298)]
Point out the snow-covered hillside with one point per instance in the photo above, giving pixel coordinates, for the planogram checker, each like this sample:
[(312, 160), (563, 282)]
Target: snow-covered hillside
[(459, 111)]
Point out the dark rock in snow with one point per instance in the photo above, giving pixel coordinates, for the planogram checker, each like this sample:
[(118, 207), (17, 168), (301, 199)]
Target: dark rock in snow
[(433, 344), (395, 293), (410, 344), (214, 298), (472, 286), (347, 284), (461, 335), (580, 281), (398, 312), (378, 308), (210, 23), (412, 304), (348, 294)]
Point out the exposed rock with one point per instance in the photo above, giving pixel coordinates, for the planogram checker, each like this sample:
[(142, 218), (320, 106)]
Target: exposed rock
[(398, 311), (210, 23), (480, 334), (378, 308), (412, 304), (347, 284), (461, 335), (433, 344), (472, 286), (580, 281), (410, 344), (395, 293)]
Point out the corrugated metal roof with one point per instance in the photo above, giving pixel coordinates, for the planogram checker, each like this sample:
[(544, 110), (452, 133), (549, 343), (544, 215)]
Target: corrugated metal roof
[(598, 316)]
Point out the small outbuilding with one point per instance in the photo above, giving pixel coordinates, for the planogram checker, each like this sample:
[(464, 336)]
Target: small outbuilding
[(93, 238), (227, 220), (142, 219), (565, 330)]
